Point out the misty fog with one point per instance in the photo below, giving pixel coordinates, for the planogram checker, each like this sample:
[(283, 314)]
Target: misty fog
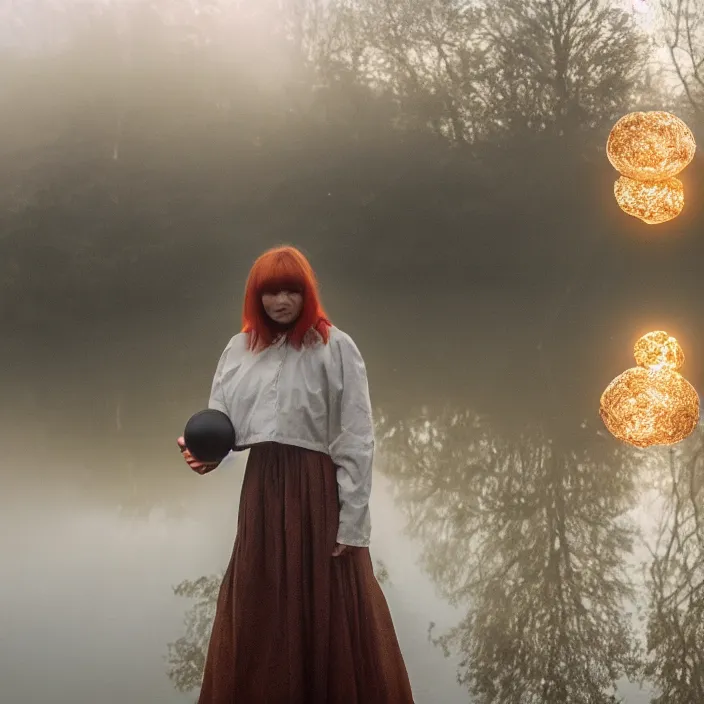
[(442, 163)]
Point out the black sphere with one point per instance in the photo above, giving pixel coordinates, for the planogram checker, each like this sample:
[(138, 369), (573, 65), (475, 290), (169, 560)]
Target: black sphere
[(209, 435)]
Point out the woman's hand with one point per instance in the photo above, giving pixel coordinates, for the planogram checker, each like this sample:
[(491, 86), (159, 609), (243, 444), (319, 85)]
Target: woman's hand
[(339, 549), (192, 462)]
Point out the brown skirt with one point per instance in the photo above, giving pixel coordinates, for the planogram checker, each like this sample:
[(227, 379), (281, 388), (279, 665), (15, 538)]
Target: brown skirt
[(295, 625)]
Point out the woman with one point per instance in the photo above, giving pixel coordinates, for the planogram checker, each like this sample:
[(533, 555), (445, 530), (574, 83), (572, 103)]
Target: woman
[(300, 617)]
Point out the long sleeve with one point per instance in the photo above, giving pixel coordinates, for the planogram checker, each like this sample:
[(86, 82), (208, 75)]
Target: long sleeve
[(352, 446), (217, 396)]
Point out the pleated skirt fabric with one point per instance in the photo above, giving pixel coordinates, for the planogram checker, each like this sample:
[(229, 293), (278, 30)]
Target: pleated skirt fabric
[(293, 624)]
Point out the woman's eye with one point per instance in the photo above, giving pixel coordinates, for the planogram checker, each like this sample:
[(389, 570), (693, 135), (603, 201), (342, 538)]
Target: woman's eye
[(282, 292)]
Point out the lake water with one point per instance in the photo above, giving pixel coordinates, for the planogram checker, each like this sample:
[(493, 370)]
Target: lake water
[(531, 533)]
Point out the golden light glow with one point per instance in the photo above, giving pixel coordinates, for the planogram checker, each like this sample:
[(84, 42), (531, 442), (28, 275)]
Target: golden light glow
[(646, 407), (650, 146), (651, 404), (658, 350), (653, 202)]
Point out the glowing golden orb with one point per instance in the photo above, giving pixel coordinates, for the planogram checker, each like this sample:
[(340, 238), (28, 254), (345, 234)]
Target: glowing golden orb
[(651, 404), (653, 202), (658, 350), (650, 146)]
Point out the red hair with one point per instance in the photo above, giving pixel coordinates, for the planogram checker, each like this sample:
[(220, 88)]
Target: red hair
[(280, 269)]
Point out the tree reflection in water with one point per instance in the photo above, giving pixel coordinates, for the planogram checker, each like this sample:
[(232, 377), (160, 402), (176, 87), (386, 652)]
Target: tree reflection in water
[(532, 534), (187, 655), (675, 627)]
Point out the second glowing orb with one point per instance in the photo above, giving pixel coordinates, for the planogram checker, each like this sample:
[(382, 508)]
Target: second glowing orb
[(651, 404)]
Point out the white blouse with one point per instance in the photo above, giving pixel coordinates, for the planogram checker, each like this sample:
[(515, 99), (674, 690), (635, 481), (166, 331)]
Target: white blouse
[(317, 398)]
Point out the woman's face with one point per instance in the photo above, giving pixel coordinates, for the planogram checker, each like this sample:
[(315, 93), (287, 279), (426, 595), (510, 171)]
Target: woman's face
[(283, 307)]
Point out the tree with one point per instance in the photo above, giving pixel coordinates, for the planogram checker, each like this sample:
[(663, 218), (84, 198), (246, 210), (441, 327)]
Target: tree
[(561, 65), (420, 54), (530, 533), (684, 39), (675, 625), (187, 654), (472, 70)]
